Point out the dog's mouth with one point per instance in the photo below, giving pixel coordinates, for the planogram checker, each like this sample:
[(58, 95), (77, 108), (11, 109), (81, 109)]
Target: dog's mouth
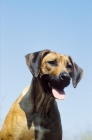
[(54, 87), (57, 92)]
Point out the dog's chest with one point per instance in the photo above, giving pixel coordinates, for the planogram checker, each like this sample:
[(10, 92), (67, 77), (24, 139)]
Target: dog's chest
[(40, 127), (40, 132), (45, 128)]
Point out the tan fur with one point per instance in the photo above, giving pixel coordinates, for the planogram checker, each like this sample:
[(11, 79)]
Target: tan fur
[(15, 122), (61, 64), (28, 117)]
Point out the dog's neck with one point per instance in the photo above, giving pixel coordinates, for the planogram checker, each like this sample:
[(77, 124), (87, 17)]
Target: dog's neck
[(42, 100), (36, 103)]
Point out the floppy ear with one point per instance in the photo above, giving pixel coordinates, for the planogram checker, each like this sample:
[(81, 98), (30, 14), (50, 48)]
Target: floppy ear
[(33, 61), (76, 74)]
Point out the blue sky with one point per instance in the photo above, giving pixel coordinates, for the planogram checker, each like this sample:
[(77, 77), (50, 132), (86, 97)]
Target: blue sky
[(63, 26)]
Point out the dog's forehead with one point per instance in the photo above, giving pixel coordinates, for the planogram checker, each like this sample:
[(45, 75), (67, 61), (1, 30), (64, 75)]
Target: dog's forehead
[(55, 56)]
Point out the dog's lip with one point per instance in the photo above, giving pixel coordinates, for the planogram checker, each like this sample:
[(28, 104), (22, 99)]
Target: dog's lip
[(58, 92)]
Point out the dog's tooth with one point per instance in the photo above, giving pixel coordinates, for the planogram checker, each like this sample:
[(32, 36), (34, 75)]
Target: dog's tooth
[(49, 84), (62, 79)]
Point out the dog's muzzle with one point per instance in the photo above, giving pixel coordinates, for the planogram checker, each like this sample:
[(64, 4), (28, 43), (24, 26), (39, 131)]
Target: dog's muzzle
[(65, 78), (55, 84)]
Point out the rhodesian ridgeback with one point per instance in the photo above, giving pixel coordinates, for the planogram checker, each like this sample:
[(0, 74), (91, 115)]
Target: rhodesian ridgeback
[(35, 115)]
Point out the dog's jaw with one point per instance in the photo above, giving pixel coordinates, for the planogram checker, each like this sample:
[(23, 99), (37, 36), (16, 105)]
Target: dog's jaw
[(54, 87)]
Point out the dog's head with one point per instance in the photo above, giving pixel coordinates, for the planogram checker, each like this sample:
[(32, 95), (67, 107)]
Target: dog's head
[(54, 71)]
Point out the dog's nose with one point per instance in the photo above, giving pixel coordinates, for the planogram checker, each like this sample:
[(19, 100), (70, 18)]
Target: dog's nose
[(64, 76)]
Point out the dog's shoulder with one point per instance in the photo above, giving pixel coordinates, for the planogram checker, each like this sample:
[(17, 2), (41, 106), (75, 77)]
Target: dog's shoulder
[(15, 105), (24, 92)]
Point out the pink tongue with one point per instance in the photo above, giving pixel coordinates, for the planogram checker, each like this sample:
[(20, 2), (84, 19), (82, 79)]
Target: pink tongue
[(58, 94)]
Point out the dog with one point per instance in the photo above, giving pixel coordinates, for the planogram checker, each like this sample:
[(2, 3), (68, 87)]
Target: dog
[(35, 115)]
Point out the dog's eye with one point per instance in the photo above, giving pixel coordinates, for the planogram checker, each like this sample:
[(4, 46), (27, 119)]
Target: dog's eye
[(69, 66), (53, 63)]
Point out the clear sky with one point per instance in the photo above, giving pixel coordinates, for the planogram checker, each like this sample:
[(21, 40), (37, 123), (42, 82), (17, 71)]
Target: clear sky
[(63, 26)]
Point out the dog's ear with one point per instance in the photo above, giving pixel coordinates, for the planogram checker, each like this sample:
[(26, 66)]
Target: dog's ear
[(33, 61), (76, 74)]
